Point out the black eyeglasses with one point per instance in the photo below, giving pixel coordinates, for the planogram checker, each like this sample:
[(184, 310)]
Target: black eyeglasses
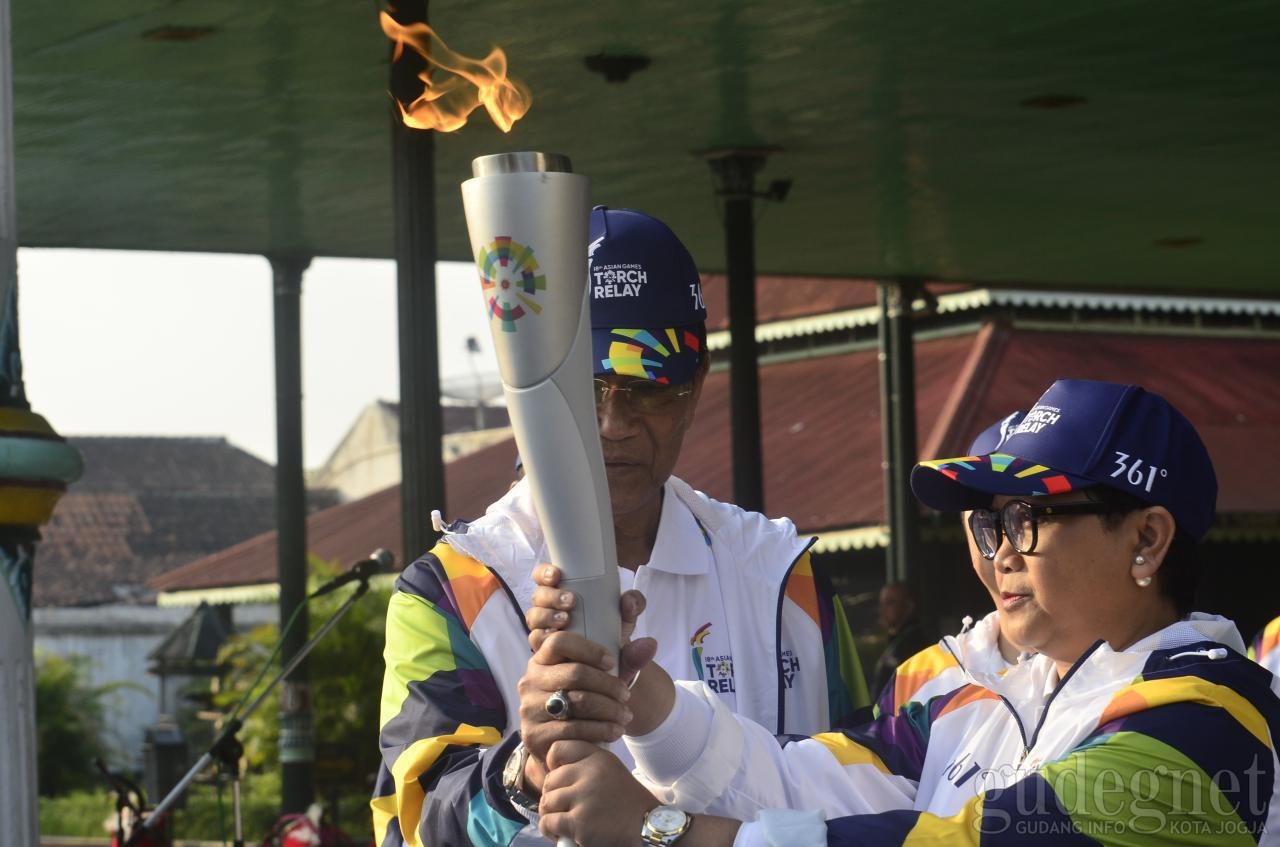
[(1019, 521), (642, 395)]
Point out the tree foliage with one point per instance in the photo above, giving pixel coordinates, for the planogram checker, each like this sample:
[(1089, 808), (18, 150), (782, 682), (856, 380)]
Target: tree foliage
[(70, 724), (345, 673)]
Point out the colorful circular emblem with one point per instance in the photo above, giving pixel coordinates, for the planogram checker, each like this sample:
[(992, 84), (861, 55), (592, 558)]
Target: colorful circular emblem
[(509, 275)]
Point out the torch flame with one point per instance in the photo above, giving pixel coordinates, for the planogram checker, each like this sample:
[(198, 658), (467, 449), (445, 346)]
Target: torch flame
[(445, 104)]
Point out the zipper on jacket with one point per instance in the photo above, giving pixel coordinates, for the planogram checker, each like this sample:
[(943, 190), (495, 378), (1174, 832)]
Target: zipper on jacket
[(1022, 732), (1061, 683), (1022, 729)]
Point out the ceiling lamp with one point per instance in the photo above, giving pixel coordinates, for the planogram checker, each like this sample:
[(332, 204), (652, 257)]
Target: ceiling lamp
[(178, 32), (616, 67), (1053, 101)]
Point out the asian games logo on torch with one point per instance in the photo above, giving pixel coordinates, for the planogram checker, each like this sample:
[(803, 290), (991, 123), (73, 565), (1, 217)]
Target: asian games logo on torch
[(511, 278)]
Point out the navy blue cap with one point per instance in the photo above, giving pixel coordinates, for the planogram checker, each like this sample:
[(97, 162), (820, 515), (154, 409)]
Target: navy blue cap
[(1082, 434), (993, 436), (648, 319)]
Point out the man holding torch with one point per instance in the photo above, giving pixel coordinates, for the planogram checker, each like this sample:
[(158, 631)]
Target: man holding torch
[(733, 594)]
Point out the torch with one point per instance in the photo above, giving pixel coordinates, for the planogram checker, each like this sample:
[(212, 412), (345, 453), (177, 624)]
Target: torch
[(527, 219)]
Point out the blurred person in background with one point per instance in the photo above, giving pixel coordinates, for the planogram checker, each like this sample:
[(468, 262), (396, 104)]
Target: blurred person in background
[(901, 623)]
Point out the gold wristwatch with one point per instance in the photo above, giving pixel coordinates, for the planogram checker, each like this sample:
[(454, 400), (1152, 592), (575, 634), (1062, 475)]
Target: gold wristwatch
[(664, 825), (513, 779)]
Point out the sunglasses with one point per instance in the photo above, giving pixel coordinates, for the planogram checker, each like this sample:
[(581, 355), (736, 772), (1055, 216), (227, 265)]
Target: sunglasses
[(641, 395), (1019, 521)]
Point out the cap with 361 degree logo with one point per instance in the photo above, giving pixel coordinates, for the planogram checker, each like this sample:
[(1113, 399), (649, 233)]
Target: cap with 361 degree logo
[(1081, 434)]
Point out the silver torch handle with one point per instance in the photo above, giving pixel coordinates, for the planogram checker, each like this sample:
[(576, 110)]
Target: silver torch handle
[(527, 221)]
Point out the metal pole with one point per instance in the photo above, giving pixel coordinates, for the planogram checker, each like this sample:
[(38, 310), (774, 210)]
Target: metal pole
[(735, 172), (888, 430), (899, 401), (297, 748), (893, 163), (36, 465), (421, 427), (18, 802)]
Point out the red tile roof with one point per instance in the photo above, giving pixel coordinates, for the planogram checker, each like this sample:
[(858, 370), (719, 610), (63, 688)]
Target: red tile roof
[(822, 440), (144, 506), (780, 298), (351, 531)]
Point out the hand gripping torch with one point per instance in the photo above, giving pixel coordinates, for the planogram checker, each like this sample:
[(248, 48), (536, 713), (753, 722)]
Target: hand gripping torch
[(527, 219)]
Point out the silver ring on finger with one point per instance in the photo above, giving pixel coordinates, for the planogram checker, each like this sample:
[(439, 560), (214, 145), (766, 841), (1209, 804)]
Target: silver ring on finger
[(558, 705)]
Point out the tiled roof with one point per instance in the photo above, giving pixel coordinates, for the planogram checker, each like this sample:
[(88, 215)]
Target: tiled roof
[(351, 531), (807, 306), (822, 440), (144, 506), (784, 298)]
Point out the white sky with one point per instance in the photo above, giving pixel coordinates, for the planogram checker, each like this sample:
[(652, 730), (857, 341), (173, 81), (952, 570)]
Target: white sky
[(139, 343)]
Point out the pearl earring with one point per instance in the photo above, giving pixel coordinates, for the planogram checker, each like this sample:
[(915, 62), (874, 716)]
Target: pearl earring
[(1143, 581), (1139, 560)]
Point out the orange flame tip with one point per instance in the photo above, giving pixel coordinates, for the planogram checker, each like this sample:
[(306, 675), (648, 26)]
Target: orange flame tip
[(444, 105)]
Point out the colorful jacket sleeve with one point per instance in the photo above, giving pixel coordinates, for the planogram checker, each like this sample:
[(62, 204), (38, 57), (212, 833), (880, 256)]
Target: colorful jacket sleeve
[(440, 709), (932, 671), (846, 684)]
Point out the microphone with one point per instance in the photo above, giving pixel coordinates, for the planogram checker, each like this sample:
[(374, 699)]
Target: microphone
[(379, 561)]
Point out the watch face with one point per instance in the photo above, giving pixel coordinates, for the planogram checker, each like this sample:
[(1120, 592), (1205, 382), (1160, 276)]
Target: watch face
[(666, 819), (511, 771)]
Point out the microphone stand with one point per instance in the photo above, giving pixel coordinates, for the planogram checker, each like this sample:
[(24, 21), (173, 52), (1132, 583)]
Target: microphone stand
[(125, 790), (227, 749)]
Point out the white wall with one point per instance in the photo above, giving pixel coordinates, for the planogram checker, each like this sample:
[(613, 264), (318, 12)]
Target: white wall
[(116, 640)]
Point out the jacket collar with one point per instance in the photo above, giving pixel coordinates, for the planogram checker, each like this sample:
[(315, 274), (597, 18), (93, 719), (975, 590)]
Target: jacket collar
[(682, 546), (508, 539), (1102, 670)]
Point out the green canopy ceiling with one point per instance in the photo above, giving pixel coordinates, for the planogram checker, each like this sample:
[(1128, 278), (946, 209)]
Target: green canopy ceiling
[(917, 135)]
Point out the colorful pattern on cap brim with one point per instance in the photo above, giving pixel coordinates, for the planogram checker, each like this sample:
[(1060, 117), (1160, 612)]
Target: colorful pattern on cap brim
[(669, 355), (969, 482)]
